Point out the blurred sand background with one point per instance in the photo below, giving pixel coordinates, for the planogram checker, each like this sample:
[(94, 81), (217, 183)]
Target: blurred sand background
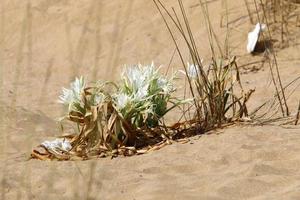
[(44, 44)]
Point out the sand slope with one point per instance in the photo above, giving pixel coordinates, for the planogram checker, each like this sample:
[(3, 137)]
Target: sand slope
[(237, 163), (45, 43)]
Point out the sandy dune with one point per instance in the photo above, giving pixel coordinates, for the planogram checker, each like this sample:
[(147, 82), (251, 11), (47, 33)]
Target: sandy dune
[(237, 163), (45, 43)]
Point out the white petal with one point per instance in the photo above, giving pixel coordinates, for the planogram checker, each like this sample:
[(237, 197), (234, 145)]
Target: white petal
[(57, 145)]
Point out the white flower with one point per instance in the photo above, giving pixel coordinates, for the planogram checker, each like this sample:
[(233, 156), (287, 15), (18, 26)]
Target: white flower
[(68, 96), (57, 145), (135, 77), (193, 70), (148, 71), (78, 85), (165, 85), (141, 93), (139, 76), (122, 100)]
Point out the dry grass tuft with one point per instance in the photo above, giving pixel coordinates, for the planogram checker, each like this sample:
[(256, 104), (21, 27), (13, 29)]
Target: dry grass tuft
[(217, 91)]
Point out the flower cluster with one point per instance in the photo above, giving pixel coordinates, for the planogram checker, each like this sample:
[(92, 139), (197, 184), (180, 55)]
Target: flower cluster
[(143, 95)]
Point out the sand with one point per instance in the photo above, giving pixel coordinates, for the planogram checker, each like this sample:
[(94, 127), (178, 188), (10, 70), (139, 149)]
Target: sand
[(44, 44)]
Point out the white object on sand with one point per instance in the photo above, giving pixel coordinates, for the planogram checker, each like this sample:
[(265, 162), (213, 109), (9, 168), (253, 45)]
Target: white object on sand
[(57, 146), (253, 36)]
